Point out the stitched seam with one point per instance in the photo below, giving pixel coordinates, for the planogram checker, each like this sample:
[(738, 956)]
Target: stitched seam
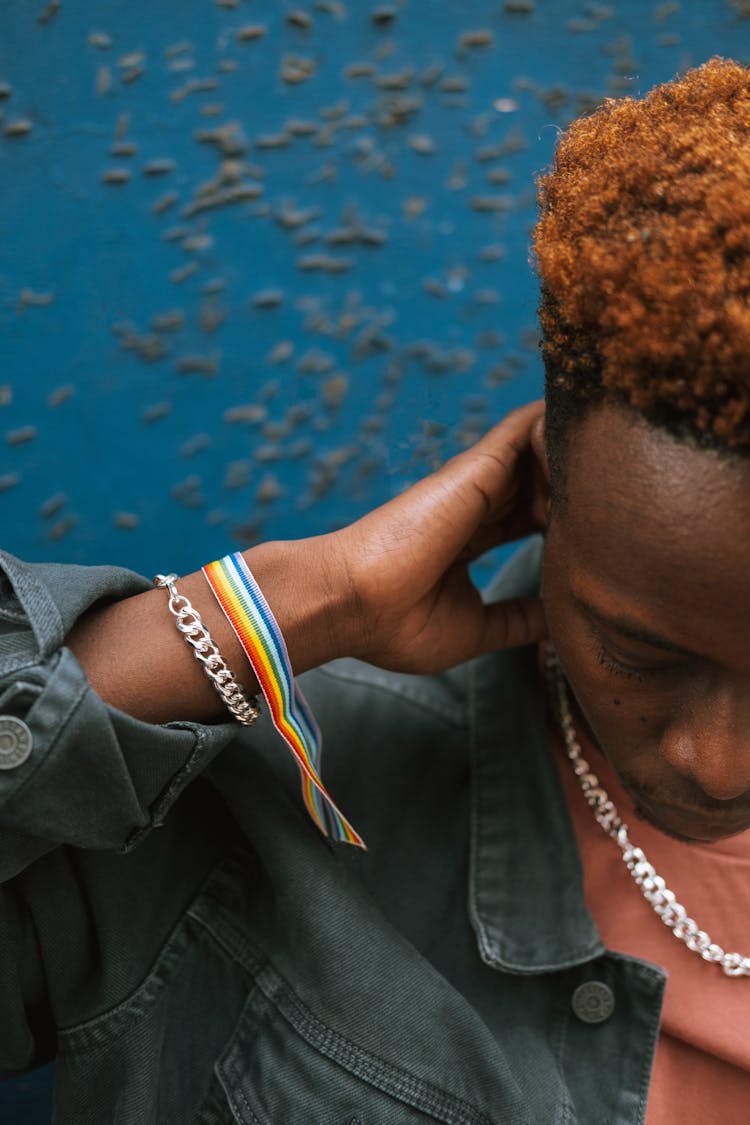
[(21, 688), (14, 616), (566, 1107), (240, 1095), (158, 976), (164, 800), (645, 971), (492, 949), (241, 950), (78, 1036), (23, 584), (364, 1065), (9, 665), (474, 827)]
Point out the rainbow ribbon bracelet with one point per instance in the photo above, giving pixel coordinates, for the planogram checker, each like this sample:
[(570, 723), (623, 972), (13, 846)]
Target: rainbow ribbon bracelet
[(248, 613)]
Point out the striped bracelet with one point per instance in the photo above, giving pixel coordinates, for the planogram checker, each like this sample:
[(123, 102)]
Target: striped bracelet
[(256, 628)]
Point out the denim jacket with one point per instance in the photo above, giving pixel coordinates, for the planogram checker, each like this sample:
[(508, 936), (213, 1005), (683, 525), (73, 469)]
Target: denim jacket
[(178, 935)]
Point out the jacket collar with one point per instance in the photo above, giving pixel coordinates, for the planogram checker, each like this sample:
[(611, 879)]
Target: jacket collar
[(526, 882)]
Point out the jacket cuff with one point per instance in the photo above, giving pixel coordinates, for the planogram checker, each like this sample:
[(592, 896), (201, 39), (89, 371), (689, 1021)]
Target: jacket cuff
[(81, 772)]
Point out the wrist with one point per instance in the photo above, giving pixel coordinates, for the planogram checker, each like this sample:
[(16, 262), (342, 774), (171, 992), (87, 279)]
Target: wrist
[(306, 585)]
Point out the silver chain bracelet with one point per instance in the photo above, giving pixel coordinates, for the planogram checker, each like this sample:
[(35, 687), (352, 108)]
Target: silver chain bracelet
[(189, 623)]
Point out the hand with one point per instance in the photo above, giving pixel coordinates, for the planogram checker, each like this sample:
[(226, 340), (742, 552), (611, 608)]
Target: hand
[(416, 608), (392, 588)]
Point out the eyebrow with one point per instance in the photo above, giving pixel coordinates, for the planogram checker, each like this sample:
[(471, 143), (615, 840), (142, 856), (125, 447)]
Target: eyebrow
[(630, 629)]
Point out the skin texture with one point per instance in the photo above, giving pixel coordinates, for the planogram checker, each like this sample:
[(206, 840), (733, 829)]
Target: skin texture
[(654, 538), (393, 588), (646, 597)]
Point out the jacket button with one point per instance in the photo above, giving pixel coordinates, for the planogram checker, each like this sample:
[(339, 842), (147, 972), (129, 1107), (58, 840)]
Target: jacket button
[(15, 742), (593, 1002)]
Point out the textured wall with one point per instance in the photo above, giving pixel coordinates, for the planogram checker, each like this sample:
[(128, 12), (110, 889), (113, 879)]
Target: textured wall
[(263, 264), (260, 265)]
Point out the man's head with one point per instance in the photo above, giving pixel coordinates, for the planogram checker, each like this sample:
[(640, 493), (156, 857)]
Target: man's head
[(643, 250), (643, 245)]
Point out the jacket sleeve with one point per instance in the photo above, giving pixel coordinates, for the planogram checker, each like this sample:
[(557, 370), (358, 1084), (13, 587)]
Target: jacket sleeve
[(89, 775)]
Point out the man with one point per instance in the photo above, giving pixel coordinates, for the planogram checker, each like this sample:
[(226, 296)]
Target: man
[(489, 958)]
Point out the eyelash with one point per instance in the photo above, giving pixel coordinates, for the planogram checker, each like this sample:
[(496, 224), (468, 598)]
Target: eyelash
[(630, 671), (608, 661)]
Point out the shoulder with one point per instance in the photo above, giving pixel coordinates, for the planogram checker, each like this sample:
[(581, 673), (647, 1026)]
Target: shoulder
[(346, 688)]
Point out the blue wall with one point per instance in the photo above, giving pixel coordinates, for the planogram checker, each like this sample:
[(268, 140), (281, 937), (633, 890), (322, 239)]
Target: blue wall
[(262, 265)]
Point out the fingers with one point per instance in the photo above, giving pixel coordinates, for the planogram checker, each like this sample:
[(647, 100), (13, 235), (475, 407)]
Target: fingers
[(501, 465), (482, 483), (519, 429), (517, 621), (512, 433), (484, 496)]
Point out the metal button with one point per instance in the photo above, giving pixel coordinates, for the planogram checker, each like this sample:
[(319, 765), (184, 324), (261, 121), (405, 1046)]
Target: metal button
[(15, 742), (593, 1002)]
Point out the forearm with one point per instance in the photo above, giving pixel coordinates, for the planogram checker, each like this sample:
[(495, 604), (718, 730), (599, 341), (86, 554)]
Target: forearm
[(394, 589), (137, 661), (120, 715)]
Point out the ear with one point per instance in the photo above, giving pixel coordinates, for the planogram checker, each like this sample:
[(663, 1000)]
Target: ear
[(542, 499)]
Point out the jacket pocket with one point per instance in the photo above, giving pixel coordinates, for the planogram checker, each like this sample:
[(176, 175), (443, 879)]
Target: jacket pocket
[(284, 1066), (150, 1059)]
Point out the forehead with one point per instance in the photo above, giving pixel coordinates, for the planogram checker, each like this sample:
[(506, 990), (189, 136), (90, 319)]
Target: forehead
[(659, 528)]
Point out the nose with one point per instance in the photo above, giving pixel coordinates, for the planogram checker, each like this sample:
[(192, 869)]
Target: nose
[(708, 741)]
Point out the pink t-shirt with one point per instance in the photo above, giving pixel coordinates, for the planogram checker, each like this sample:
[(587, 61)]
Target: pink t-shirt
[(702, 1065)]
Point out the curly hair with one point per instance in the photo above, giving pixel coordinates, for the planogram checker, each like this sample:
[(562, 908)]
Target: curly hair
[(643, 251)]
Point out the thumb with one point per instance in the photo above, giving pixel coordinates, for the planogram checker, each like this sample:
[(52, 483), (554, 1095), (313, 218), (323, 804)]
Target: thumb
[(514, 622)]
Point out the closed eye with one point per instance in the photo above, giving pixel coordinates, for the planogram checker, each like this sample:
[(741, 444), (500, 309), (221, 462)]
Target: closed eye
[(633, 671)]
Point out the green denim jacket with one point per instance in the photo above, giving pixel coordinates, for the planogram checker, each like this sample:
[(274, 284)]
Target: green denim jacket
[(177, 934)]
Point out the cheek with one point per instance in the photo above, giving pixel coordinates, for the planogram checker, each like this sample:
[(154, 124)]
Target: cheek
[(616, 718), (622, 715), (620, 724)]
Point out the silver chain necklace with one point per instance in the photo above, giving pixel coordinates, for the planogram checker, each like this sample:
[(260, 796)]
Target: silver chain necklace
[(652, 886)]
